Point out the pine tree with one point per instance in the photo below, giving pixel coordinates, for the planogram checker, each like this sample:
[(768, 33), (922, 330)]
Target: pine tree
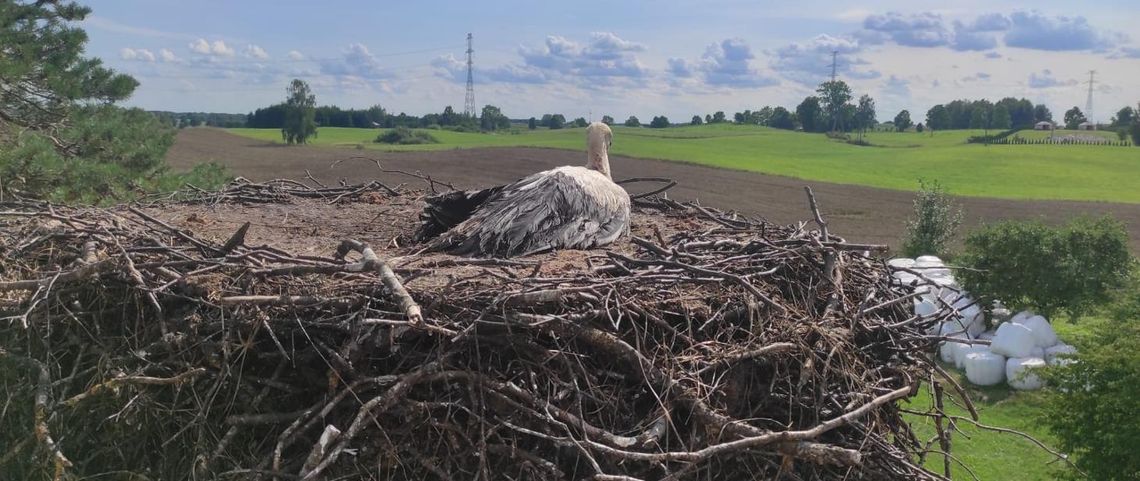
[(61, 137)]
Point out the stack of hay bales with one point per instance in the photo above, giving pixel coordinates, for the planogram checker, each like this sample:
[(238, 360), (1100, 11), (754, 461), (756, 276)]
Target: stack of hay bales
[(1020, 344)]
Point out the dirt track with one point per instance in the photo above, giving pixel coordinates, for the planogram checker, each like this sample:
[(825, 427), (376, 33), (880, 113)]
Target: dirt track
[(862, 214)]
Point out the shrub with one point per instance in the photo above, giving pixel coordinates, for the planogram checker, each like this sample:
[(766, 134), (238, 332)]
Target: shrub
[(1029, 265), (935, 221), (405, 136), (1092, 411)]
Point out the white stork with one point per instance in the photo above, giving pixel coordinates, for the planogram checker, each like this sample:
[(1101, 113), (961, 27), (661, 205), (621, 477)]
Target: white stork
[(567, 207)]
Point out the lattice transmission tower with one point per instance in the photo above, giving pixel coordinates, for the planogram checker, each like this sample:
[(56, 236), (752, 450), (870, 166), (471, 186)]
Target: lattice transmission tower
[(1089, 102), (469, 99)]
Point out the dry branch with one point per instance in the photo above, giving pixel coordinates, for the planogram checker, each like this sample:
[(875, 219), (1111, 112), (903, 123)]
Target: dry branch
[(708, 346)]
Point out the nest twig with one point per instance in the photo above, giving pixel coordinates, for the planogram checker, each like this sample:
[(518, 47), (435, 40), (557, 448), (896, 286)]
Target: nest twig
[(731, 349)]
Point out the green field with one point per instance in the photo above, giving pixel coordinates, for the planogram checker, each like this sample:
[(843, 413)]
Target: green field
[(1041, 134), (896, 161)]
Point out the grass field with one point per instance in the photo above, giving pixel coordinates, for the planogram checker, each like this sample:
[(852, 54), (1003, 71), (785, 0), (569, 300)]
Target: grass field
[(896, 161), (1041, 134), (994, 455)]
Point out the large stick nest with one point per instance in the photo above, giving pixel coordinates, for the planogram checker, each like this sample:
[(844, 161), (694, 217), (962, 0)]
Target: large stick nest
[(705, 346)]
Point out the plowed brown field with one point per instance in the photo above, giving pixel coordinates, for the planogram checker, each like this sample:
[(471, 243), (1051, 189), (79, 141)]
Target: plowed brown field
[(860, 214)]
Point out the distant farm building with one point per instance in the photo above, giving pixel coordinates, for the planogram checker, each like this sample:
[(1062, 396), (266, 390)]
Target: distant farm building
[(1043, 125), (1086, 125)]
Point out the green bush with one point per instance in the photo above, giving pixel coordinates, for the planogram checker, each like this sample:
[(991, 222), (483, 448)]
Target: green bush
[(1092, 408), (934, 223), (1029, 265), (405, 136)]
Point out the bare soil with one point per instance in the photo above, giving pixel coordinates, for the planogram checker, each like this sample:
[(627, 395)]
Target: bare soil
[(860, 214)]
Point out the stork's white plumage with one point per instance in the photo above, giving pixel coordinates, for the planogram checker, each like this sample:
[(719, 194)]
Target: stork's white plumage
[(563, 208)]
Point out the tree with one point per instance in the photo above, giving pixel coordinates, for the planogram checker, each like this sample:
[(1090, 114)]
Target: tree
[(606, 119), (1134, 131), (1091, 408), (493, 119), (938, 118), (557, 121), (1031, 265), (532, 123), (833, 96), (764, 115), (696, 120), (782, 119), (739, 118), (810, 115), (659, 122), (919, 127), (1073, 118), (1042, 113), (580, 122), (450, 117), (902, 121), (980, 118), (632, 122), (61, 136), (718, 117), (1124, 117), (300, 113), (865, 114), (708, 119), (934, 222), (1001, 119)]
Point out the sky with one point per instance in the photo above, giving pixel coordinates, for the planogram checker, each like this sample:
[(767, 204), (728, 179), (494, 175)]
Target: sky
[(588, 58)]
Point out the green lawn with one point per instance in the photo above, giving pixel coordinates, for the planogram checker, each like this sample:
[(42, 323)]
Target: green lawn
[(994, 455), (896, 161)]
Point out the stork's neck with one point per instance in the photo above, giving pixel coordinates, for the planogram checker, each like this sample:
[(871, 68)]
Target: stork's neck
[(599, 160)]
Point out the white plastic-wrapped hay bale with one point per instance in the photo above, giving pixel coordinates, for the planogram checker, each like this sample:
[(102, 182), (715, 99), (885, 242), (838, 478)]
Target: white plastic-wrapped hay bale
[(947, 350), (928, 260), (1019, 373), (925, 308), (984, 368), (1043, 335), (964, 350), (1021, 316), (1055, 355), (1013, 340), (1038, 351), (999, 313), (901, 263), (987, 336)]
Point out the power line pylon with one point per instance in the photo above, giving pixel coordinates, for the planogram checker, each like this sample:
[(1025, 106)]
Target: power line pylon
[(469, 99), (1089, 102)]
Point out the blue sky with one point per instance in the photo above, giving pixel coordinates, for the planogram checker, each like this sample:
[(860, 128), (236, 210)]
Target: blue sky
[(621, 58)]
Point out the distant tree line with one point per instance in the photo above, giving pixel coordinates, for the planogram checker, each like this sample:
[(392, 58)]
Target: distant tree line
[(200, 119), (1007, 113), (376, 116)]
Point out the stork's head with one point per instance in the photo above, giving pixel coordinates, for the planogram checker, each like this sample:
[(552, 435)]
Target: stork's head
[(599, 137)]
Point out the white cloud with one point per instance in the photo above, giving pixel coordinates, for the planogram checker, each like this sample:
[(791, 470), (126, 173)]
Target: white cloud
[(809, 62), (167, 56), (254, 51), (606, 56), (218, 48), (1045, 79), (295, 55), (729, 64), (200, 46), (357, 62), (137, 54)]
